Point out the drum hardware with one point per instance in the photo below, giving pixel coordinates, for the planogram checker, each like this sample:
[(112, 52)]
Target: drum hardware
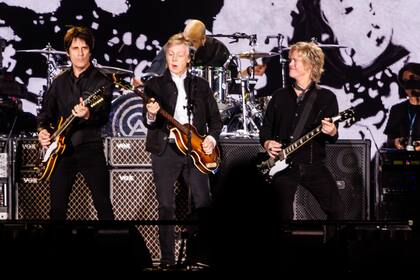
[(52, 67)]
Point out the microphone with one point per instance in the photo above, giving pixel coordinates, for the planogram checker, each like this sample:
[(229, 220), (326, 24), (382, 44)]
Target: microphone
[(278, 37)]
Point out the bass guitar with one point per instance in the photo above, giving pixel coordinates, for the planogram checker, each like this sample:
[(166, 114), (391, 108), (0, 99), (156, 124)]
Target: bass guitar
[(205, 163), (271, 166), (48, 156)]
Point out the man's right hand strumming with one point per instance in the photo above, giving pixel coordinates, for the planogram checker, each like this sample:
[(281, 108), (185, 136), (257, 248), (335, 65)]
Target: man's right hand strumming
[(44, 138), (272, 147), (152, 109)]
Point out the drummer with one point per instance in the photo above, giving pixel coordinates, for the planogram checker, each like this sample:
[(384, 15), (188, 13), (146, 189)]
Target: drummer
[(205, 51)]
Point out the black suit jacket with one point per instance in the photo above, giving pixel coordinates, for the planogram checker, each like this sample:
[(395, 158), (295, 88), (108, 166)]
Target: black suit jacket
[(206, 115)]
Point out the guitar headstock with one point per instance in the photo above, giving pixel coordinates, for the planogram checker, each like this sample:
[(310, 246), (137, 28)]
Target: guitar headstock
[(121, 84), (95, 98), (347, 114), (124, 85)]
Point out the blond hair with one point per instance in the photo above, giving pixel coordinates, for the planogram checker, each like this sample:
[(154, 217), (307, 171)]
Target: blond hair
[(312, 56), (177, 39)]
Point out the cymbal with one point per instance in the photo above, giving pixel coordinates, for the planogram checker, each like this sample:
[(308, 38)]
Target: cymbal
[(112, 70), (256, 55), (44, 51)]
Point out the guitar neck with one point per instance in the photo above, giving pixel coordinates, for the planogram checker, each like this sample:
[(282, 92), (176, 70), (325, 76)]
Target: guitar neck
[(62, 127), (69, 119), (302, 140), (164, 114)]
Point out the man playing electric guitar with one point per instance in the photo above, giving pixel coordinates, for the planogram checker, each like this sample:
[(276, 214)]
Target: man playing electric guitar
[(190, 100), (83, 151), (292, 112)]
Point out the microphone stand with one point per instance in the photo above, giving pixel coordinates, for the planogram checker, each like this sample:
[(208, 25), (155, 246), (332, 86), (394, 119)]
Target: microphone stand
[(283, 61), (185, 234)]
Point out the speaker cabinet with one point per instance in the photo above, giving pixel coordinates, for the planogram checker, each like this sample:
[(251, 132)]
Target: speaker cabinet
[(5, 179), (128, 152), (134, 198), (348, 160), (349, 163), (33, 199)]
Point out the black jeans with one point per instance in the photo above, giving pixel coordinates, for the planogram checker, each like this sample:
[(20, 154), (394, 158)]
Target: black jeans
[(166, 170), (317, 179), (89, 160)]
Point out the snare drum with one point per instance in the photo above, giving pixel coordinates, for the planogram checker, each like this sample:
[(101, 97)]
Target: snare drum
[(218, 78)]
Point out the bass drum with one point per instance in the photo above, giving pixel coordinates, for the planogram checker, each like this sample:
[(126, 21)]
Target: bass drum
[(126, 117)]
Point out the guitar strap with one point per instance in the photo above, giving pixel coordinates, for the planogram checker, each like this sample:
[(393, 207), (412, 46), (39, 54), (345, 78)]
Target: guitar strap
[(308, 108)]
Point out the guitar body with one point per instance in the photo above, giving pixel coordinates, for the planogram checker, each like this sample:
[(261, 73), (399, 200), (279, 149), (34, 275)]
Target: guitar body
[(46, 167), (268, 167), (205, 163)]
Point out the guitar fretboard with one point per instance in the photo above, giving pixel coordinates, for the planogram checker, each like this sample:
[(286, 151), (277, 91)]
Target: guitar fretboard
[(303, 140)]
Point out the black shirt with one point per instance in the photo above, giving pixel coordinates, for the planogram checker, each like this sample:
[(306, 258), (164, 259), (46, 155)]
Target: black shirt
[(401, 117), (283, 113), (64, 94)]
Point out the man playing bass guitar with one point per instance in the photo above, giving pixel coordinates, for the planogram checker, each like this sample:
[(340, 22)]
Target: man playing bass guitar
[(84, 150), (189, 100)]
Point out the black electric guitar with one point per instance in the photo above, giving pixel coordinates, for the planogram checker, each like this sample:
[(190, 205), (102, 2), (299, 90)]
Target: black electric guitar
[(269, 167), (205, 163), (48, 156)]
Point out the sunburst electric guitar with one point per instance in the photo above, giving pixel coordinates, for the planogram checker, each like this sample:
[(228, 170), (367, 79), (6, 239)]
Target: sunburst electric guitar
[(205, 163), (48, 156), (271, 166)]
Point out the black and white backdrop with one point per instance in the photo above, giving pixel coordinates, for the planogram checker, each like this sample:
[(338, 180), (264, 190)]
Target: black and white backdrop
[(379, 35)]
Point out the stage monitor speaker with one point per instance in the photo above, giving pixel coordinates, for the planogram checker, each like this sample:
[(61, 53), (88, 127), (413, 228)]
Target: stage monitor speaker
[(349, 163)]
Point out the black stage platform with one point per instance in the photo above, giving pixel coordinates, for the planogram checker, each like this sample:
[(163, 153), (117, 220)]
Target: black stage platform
[(297, 247)]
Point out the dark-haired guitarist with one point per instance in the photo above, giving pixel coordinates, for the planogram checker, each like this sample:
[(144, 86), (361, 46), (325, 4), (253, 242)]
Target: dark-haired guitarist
[(84, 152)]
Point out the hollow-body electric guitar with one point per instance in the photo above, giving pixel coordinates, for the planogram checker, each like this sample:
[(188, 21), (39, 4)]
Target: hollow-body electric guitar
[(48, 156), (269, 167), (205, 163)]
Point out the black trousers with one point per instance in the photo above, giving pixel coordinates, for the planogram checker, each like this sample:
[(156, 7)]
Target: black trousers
[(89, 160), (166, 170), (317, 179)]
